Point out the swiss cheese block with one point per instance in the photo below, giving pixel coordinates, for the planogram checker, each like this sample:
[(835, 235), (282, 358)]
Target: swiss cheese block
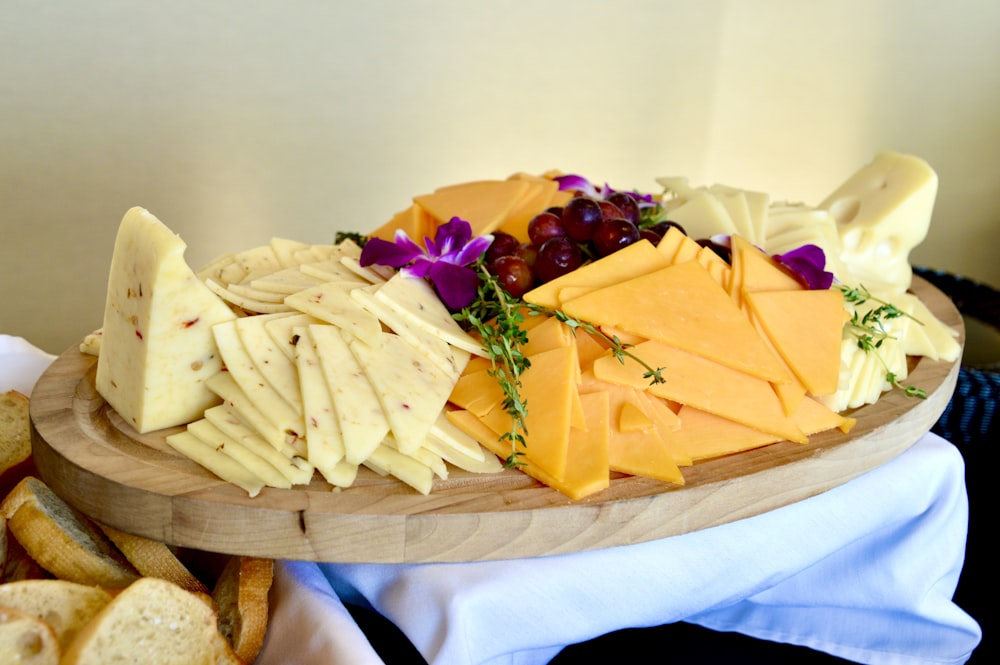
[(883, 210), (682, 306), (157, 349)]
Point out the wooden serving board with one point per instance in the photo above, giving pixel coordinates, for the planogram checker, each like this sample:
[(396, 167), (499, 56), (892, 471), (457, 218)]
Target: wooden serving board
[(136, 483)]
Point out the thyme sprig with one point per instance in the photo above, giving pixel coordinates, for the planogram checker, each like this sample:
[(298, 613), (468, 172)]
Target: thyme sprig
[(869, 329), (497, 317)]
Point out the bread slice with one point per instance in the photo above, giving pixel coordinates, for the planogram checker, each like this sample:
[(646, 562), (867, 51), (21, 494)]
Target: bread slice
[(15, 440), (66, 606), (154, 559), (24, 638), (241, 595), (154, 622), (15, 563), (61, 539)]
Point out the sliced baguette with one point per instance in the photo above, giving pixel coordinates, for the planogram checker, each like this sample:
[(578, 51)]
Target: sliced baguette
[(61, 539), (24, 638), (15, 440), (15, 563), (154, 559), (241, 595), (154, 622), (66, 606)]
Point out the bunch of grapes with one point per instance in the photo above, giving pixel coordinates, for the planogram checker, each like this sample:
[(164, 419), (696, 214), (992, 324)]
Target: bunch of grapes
[(564, 238)]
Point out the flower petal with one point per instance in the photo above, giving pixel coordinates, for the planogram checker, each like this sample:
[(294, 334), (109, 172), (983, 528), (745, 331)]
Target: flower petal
[(450, 237), (576, 182), (809, 263), (472, 250), (392, 254), (456, 285)]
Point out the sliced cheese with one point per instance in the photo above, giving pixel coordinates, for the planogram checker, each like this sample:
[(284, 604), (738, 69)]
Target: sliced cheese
[(682, 306), (706, 385), (483, 204)]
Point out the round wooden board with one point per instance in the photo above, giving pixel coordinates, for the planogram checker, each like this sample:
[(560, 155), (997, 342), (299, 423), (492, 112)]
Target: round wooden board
[(136, 483)]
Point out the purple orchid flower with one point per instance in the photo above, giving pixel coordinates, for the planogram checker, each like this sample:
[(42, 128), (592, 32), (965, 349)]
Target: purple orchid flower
[(580, 184), (446, 261), (809, 263)]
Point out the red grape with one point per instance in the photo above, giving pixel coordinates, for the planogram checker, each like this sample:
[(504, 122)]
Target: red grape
[(613, 234), (609, 210), (627, 204), (514, 275), (580, 217), (543, 226), (528, 252), (556, 257), (650, 235), (503, 244)]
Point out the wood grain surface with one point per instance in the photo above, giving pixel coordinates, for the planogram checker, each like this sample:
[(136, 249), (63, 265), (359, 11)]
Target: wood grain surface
[(99, 464)]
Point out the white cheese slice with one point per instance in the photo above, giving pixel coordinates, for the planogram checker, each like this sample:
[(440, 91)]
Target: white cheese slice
[(387, 460), (296, 469), (222, 465), (223, 385), (157, 346), (332, 302), (324, 440), (270, 360), (359, 413), (282, 331), (284, 250), (412, 390), (452, 360), (415, 299), (257, 388), (703, 216), (208, 433)]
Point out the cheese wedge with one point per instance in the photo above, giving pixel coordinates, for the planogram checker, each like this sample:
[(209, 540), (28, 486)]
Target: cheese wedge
[(157, 346)]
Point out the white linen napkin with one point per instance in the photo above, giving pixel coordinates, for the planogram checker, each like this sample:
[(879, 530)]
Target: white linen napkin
[(865, 571), (21, 363)]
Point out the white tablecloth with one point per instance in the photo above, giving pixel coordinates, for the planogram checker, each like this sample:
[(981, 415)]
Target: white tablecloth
[(865, 571)]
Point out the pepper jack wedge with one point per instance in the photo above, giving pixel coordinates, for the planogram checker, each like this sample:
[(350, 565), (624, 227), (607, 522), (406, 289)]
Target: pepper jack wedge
[(157, 349)]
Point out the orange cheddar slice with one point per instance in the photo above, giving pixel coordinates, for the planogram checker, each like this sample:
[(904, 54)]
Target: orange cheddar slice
[(813, 417), (805, 327), (483, 204), (631, 419), (758, 271), (676, 247), (476, 391), (638, 453), (414, 221), (587, 468), (704, 435), (706, 385), (682, 306), (547, 388), (536, 199), (636, 259)]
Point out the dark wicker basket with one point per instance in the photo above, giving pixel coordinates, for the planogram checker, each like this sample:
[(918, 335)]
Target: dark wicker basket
[(969, 417)]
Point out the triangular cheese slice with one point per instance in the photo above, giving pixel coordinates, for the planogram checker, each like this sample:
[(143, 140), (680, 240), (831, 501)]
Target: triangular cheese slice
[(636, 259), (484, 204), (332, 302), (806, 328), (324, 440), (411, 389), (414, 299), (682, 306), (359, 413), (705, 385)]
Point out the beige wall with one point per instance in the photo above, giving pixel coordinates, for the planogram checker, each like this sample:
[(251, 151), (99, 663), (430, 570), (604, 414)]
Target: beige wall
[(234, 121)]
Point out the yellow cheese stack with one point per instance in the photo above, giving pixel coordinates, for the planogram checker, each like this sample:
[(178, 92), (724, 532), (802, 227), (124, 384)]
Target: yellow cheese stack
[(745, 350), (488, 205)]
